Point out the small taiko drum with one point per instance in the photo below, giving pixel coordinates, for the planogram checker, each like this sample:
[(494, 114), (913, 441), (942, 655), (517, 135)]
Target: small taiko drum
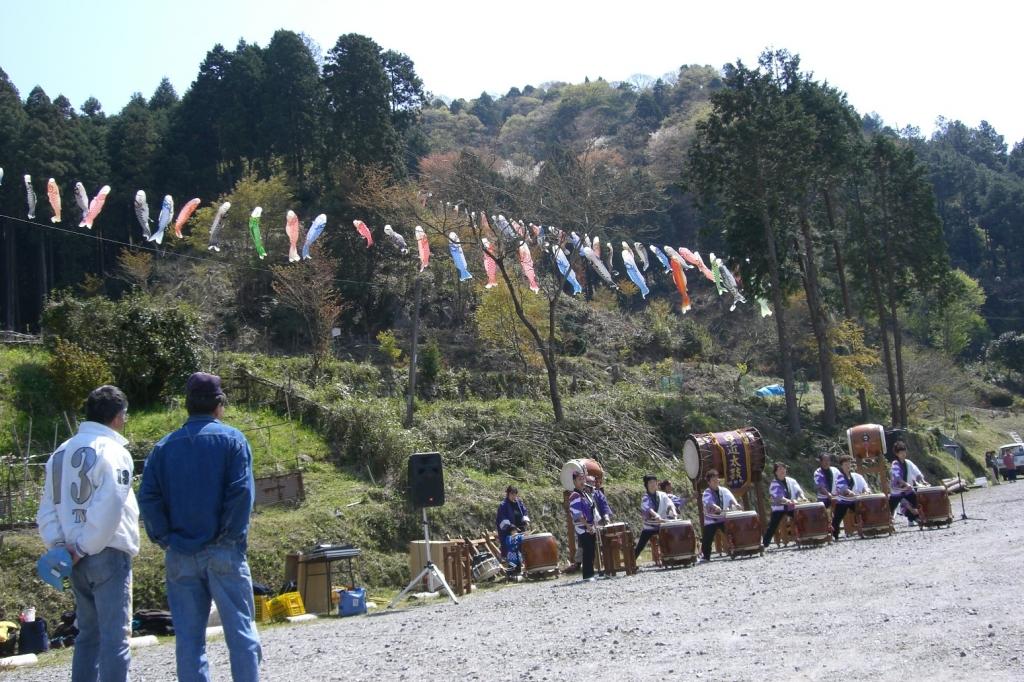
[(810, 523), (677, 541), (866, 441), (933, 501), (873, 514), (540, 553), (485, 567), (705, 451), (743, 532), (589, 467)]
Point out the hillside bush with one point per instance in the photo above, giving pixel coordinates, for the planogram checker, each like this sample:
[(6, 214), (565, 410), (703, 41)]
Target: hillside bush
[(151, 347), (75, 372)]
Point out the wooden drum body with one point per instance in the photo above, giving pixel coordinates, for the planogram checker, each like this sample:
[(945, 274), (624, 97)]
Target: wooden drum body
[(866, 441), (811, 524), (933, 501), (738, 456), (743, 533), (616, 547), (540, 553), (873, 516), (678, 542)]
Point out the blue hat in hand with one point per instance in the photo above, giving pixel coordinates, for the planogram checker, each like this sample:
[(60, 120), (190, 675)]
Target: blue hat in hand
[(54, 567)]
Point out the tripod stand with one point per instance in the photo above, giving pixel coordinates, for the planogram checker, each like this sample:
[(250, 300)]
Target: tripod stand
[(430, 569)]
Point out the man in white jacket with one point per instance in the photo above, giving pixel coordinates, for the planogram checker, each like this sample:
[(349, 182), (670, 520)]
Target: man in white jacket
[(89, 508)]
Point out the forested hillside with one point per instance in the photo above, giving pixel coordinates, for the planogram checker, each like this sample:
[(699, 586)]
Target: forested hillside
[(312, 128)]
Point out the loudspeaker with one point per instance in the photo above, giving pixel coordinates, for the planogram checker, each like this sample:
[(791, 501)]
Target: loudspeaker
[(426, 479)]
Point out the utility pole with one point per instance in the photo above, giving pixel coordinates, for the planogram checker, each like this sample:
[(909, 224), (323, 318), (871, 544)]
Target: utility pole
[(411, 398)]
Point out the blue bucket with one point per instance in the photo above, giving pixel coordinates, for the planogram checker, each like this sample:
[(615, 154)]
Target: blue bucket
[(352, 602)]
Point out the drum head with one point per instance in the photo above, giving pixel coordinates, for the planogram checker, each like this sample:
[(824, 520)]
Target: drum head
[(568, 469), (691, 459)]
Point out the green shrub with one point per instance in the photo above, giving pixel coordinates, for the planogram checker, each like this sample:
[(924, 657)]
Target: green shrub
[(997, 397), (389, 346), (430, 363), (694, 340), (75, 372)]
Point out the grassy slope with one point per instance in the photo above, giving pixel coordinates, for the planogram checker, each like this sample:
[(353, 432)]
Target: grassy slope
[(354, 480)]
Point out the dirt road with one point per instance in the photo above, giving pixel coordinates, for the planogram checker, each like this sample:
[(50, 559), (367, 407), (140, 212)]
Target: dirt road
[(936, 605)]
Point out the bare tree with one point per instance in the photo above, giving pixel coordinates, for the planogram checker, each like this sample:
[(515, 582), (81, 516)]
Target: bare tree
[(308, 289)]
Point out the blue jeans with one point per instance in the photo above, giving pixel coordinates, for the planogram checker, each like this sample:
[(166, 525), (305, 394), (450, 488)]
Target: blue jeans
[(220, 573), (102, 584)]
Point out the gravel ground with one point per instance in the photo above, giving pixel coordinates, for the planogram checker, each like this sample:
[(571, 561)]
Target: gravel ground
[(937, 605)]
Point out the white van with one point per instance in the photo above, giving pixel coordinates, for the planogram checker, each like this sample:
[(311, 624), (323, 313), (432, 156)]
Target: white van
[(1018, 456)]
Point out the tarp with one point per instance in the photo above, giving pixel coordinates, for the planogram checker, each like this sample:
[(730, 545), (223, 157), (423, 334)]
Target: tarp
[(770, 390)]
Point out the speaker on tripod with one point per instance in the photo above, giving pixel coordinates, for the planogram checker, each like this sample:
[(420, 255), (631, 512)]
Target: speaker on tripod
[(426, 489), (426, 480)]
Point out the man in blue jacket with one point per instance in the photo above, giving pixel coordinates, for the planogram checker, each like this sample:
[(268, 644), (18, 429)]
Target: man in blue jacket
[(196, 497)]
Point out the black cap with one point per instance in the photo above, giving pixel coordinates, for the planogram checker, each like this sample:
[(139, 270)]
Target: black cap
[(204, 384)]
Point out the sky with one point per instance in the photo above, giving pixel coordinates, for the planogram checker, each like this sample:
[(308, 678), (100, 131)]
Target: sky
[(909, 61)]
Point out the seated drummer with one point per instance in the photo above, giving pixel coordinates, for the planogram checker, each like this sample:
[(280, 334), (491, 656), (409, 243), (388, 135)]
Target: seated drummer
[(716, 501), (512, 521), (655, 507), (846, 492), (666, 487), (825, 480), (785, 492), (904, 477)]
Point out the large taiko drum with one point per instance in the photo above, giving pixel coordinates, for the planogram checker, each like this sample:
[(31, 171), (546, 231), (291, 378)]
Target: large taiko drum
[(810, 523), (933, 501), (873, 515), (743, 532), (540, 553), (586, 466), (738, 456), (677, 541), (866, 441)]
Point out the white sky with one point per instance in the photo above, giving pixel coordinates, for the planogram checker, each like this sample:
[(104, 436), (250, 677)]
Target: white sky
[(909, 61)]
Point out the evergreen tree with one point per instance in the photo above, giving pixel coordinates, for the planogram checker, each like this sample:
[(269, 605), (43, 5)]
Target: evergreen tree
[(358, 103), (164, 97), (292, 97)]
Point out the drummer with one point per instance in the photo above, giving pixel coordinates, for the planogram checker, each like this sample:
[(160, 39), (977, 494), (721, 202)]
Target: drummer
[(655, 507), (512, 521), (716, 500), (904, 477), (846, 492), (666, 487), (785, 492), (604, 514), (825, 480), (585, 505)]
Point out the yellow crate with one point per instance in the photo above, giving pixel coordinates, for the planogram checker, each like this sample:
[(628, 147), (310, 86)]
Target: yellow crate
[(287, 604), (262, 608)]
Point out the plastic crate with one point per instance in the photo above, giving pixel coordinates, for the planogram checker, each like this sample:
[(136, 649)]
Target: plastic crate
[(263, 614), (287, 604)]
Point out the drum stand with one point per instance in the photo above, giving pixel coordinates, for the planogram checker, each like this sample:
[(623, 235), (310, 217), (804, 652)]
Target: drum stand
[(429, 569), (955, 451)]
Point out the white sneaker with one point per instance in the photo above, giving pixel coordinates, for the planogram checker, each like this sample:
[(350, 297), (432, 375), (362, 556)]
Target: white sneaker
[(591, 579)]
